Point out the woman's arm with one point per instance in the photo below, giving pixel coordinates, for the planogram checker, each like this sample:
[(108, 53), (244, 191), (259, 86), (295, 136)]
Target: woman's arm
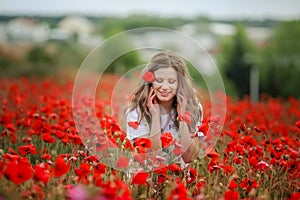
[(155, 131), (155, 134), (190, 145)]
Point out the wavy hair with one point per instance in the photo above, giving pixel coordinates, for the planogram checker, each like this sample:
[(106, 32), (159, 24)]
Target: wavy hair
[(164, 60)]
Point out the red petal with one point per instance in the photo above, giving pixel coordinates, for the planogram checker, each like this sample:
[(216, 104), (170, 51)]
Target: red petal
[(166, 139), (298, 123), (140, 178), (134, 124)]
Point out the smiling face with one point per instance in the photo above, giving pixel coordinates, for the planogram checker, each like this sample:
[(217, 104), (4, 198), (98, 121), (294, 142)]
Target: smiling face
[(165, 84)]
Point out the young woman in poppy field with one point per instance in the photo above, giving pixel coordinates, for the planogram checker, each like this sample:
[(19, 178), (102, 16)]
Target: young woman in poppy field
[(164, 108)]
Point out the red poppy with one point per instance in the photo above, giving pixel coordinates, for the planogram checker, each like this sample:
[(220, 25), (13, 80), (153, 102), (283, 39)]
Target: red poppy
[(61, 167), (27, 149), (233, 184), (122, 162), (83, 172), (231, 195), (140, 178), (262, 166), (100, 168), (243, 127), (248, 184), (204, 127), (143, 142), (48, 138), (179, 192), (42, 172), (18, 171), (166, 139), (148, 77), (213, 155), (294, 196), (174, 168), (297, 123), (134, 124)]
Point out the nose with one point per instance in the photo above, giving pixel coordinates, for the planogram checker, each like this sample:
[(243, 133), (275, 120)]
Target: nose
[(164, 86)]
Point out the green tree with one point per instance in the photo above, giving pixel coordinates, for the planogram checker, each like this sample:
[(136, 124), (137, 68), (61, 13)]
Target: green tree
[(235, 62), (280, 61)]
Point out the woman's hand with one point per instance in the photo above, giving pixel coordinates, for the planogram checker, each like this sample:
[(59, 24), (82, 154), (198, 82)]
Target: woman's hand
[(152, 103), (181, 103)]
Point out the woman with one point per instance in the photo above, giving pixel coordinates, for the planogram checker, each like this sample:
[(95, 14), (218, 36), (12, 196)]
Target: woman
[(165, 101)]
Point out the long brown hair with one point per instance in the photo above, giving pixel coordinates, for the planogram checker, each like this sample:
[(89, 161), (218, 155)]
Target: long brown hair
[(163, 60)]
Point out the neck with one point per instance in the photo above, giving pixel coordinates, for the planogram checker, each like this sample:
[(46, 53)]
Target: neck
[(167, 105)]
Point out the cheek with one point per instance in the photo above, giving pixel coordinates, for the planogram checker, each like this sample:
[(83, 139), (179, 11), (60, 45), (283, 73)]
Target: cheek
[(174, 87)]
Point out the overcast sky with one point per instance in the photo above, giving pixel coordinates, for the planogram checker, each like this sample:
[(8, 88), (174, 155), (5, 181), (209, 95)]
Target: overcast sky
[(258, 9)]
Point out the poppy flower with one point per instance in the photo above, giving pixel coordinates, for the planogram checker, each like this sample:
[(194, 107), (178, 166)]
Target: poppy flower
[(166, 139), (18, 171), (186, 116), (143, 142), (179, 192), (122, 162), (61, 167), (134, 124), (174, 168), (233, 184), (248, 184), (27, 149), (140, 178), (48, 138), (100, 168), (42, 173), (148, 77), (213, 155), (298, 123), (203, 128), (262, 165), (231, 195)]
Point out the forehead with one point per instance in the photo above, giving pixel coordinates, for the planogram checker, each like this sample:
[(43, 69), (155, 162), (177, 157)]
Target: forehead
[(168, 72)]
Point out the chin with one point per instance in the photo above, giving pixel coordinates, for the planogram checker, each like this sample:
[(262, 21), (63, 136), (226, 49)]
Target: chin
[(165, 99)]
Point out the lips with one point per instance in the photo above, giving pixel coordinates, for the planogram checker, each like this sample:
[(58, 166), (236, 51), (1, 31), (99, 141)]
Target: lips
[(164, 94)]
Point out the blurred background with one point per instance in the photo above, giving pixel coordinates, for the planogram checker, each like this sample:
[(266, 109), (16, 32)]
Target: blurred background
[(254, 44)]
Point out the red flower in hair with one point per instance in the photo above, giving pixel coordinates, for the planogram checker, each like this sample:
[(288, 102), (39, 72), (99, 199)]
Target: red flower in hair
[(148, 77)]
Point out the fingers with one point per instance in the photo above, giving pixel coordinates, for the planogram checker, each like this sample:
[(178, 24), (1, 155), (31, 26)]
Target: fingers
[(151, 97)]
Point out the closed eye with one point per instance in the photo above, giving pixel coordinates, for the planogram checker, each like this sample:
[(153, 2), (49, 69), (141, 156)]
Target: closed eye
[(159, 80), (172, 81)]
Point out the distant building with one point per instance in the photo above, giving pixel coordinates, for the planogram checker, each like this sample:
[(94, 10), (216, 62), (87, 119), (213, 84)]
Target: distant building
[(78, 27), (25, 29)]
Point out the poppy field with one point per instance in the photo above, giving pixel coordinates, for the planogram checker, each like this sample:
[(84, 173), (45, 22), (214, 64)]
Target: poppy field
[(43, 156)]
